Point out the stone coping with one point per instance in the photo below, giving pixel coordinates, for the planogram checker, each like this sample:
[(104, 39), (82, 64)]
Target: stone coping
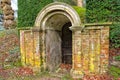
[(98, 24)]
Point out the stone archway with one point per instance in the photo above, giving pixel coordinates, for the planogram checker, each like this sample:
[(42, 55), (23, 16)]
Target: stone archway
[(57, 8), (90, 43), (51, 20)]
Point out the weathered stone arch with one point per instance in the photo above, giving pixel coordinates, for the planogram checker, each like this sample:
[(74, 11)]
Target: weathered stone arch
[(54, 16), (57, 8)]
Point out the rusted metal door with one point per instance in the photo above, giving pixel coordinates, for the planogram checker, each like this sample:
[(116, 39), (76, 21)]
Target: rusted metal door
[(66, 44)]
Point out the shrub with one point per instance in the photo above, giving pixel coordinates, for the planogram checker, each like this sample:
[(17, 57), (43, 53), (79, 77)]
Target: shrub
[(28, 10), (114, 71), (105, 11), (81, 12), (115, 35), (117, 58)]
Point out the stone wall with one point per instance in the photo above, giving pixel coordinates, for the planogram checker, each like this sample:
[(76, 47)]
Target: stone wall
[(90, 49), (30, 48)]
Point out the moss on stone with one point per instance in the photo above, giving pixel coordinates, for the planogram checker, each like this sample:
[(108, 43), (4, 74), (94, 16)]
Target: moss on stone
[(81, 11)]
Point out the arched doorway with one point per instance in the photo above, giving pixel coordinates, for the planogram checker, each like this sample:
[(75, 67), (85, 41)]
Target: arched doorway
[(53, 22), (58, 41), (66, 44)]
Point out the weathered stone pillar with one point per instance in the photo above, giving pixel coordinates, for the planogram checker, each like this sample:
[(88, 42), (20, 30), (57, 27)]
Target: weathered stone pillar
[(42, 49), (77, 70), (104, 56), (90, 49), (98, 47), (30, 48)]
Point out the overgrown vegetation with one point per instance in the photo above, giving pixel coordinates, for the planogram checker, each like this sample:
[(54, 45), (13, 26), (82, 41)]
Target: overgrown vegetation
[(117, 58), (27, 75), (67, 77), (114, 71), (0, 11), (105, 11), (9, 48), (29, 9), (81, 12), (115, 35)]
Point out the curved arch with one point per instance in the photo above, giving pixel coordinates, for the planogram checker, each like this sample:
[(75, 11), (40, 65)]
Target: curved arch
[(55, 8), (45, 20)]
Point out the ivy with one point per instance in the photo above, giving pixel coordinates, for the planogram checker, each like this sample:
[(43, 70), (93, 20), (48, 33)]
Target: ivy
[(117, 58), (114, 71), (81, 12), (28, 10), (115, 35), (105, 11)]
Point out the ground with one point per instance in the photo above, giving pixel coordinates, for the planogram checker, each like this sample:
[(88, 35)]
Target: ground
[(11, 69)]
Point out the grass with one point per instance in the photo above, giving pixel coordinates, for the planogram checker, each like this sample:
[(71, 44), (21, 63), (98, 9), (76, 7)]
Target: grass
[(67, 77), (38, 76), (117, 58), (7, 32), (9, 45), (115, 72)]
